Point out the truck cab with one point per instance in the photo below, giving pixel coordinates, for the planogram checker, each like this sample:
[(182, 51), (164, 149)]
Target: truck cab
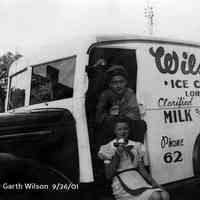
[(65, 80)]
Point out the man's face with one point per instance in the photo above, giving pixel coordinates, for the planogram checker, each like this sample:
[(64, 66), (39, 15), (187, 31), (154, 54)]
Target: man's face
[(118, 84), (121, 130)]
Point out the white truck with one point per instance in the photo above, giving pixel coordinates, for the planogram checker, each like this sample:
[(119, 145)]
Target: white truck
[(165, 74)]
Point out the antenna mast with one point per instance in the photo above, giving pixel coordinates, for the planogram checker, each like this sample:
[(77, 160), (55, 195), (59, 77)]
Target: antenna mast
[(149, 15)]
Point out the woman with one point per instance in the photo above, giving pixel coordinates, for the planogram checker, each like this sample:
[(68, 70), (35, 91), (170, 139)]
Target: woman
[(118, 98)]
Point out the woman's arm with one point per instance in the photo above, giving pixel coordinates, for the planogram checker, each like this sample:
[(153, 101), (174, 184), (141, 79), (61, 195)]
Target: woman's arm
[(132, 107), (112, 165), (144, 172)]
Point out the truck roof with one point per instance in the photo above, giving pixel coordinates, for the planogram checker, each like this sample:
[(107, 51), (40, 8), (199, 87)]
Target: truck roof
[(114, 39), (51, 52), (83, 44)]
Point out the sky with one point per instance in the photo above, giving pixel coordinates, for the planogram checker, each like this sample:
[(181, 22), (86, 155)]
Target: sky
[(30, 24)]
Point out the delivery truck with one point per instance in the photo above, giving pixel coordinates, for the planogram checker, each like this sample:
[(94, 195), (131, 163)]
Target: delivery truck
[(52, 97)]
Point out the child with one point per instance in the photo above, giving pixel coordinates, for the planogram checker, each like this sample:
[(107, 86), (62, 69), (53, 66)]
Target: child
[(124, 162)]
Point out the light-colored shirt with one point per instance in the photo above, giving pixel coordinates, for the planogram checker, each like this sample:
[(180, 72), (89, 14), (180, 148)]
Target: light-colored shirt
[(108, 150)]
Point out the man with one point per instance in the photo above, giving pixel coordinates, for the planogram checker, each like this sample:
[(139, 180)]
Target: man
[(57, 90)]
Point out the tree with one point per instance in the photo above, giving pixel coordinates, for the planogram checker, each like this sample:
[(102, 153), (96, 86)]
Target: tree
[(5, 62)]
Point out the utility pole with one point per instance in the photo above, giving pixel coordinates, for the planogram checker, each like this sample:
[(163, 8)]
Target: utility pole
[(149, 15)]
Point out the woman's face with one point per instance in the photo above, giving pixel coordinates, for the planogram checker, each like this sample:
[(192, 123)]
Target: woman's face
[(121, 130), (118, 84)]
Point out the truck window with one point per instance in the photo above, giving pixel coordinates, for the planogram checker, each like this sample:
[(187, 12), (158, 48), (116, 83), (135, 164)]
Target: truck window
[(52, 81), (18, 88)]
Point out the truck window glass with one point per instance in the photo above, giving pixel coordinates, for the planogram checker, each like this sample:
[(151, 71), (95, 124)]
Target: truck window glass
[(18, 87), (52, 81)]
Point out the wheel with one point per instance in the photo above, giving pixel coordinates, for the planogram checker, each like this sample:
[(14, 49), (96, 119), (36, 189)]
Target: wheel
[(196, 157), (16, 173)]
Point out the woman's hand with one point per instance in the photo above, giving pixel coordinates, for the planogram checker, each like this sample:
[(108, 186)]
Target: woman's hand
[(120, 150), (101, 61)]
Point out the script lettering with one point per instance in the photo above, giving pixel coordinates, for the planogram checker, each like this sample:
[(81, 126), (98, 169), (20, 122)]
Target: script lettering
[(167, 62)]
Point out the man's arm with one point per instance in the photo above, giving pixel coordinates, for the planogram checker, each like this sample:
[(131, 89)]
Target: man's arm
[(101, 112)]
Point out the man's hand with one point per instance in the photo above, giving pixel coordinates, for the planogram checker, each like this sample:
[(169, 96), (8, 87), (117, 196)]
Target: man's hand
[(114, 110), (101, 61)]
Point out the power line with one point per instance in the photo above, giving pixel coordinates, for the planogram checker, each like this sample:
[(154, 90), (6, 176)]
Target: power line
[(149, 15)]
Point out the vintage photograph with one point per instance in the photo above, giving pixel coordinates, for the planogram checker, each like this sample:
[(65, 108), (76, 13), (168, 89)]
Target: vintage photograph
[(99, 100)]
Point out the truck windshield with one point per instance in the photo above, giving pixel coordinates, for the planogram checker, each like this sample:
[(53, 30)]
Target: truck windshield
[(18, 88), (52, 81)]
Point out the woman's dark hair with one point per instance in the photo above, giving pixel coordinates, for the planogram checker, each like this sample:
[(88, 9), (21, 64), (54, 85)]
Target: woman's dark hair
[(116, 70), (121, 119), (137, 128)]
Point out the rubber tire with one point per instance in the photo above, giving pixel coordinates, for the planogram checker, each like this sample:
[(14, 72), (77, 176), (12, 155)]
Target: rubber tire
[(196, 157)]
